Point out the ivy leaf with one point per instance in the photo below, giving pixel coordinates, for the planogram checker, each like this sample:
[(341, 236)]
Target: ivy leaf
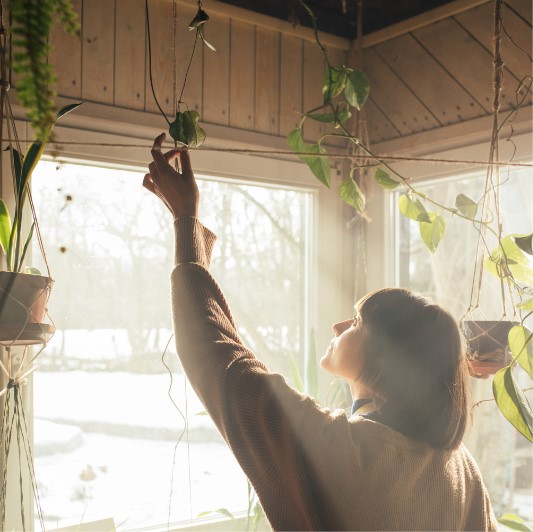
[(384, 180), (432, 232), (515, 522), (334, 82), (185, 129), (200, 18), (512, 402), (521, 345), (412, 208), (508, 260), (331, 118), (352, 194), (527, 304), (357, 88), (525, 243), (318, 165), (466, 206)]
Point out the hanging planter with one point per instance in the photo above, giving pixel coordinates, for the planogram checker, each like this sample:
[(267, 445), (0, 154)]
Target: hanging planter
[(23, 307), (488, 349)]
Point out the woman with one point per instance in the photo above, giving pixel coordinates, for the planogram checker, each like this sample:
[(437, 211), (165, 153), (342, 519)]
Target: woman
[(397, 464)]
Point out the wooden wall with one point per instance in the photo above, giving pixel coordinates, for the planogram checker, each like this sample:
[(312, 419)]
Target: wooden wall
[(260, 79)]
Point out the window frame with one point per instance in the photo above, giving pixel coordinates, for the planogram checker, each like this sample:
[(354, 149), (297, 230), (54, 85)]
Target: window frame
[(98, 128)]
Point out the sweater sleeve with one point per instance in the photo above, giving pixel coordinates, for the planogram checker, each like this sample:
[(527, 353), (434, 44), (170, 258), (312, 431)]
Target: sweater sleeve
[(257, 413)]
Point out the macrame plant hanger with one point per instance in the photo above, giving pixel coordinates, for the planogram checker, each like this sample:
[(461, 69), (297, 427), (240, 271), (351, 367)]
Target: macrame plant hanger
[(16, 365)]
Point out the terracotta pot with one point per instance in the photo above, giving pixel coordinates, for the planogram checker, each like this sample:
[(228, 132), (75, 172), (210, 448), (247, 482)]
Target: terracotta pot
[(23, 298), (487, 345)]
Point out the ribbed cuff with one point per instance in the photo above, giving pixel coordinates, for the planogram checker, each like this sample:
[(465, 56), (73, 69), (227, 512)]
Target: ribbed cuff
[(194, 242)]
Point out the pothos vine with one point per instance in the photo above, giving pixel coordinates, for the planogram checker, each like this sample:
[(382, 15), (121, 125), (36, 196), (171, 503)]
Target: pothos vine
[(346, 90)]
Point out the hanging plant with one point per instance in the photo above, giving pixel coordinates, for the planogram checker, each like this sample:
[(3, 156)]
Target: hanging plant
[(344, 91), (31, 25)]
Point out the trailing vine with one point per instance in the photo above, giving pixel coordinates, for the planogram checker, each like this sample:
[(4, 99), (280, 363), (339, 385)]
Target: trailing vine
[(31, 26), (345, 91)]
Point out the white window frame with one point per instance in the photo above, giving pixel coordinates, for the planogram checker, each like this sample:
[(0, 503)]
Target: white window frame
[(98, 128)]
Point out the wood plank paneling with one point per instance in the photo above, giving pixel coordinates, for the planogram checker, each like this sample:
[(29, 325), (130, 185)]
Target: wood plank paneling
[(65, 56), (431, 83), (394, 99), (337, 59), (216, 73), (313, 75), (379, 127), (523, 8), (130, 34), (290, 84), (447, 41), (161, 30), (98, 50), (479, 23), (267, 56), (192, 93), (242, 76)]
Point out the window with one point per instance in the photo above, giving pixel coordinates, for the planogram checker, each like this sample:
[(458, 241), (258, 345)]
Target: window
[(504, 456), (105, 428)]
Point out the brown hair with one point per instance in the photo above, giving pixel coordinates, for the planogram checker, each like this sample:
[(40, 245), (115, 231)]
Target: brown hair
[(415, 366)]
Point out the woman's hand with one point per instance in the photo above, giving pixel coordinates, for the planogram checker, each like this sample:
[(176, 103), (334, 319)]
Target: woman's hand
[(178, 191)]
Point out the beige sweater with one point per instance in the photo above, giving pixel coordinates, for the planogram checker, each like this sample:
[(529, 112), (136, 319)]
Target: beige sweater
[(312, 469)]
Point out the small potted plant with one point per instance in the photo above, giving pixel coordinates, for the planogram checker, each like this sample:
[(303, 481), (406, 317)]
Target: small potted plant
[(24, 291)]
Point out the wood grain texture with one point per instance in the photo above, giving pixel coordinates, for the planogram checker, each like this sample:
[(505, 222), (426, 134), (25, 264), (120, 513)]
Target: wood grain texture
[(313, 75), (162, 56), (429, 81), (523, 8), (267, 64), (242, 75), (185, 39), (379, 127), (98, 50), (216, 73), (290, 84), (395, 100), (447, 41), (65, 56), (479, 23), (130, 43)]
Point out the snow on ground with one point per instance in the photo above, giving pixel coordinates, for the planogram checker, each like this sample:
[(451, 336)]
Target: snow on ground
[(86, 471)]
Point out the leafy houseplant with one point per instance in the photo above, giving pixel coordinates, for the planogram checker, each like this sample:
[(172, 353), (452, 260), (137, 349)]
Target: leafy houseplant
[(23, 291), (344, 92)]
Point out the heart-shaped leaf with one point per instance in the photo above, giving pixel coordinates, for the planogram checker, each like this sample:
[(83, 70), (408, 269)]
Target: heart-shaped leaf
[(412, 208), (384, 180), (466, 206), (357, 88), (352, 194), (432, 232)]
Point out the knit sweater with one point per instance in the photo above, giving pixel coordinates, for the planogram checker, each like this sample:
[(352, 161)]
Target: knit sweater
[(312, 469)]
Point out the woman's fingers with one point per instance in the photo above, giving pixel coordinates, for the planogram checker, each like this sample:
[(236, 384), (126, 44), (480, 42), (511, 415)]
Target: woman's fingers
[(148, 183), (186, 168)]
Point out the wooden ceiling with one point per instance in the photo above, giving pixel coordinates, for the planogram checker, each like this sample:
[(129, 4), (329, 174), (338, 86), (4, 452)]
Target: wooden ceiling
[(338, 17)]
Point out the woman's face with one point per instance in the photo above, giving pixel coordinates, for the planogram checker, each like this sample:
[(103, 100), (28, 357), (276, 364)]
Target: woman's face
[(343, 357)]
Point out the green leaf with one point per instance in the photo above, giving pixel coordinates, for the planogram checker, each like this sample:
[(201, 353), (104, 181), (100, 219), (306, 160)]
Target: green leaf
[(466, 206), (32, 271), (26, 245), (202, 413), (185, 129), (525, 243), (384, 180), (334, 82), (296, 377), (222, 511), (512, 402), (508, 260), (5, 226), (521, 345), (17, 164), (412, 208), (31, 159), (352, 195), (200, 18), (67, 109), (432, 232), (515, 522), (527, 304), (357, 88), (311, 367), (331, 118), (318, 165)]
